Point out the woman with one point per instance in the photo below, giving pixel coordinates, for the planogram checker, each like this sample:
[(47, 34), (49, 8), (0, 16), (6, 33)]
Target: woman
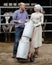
[(37, 17)]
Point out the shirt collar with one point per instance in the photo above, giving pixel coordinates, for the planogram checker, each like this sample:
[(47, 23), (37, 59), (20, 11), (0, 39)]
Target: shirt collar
[(21, 11)]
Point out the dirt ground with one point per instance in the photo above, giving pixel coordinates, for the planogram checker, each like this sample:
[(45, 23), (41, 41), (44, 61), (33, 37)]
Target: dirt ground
[(45, 55)]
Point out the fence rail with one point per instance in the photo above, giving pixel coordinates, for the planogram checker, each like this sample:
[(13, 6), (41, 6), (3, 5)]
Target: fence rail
[(29, 15), (26, 7)]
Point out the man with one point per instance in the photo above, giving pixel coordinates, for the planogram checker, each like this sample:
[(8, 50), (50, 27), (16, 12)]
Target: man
[(19, 18)]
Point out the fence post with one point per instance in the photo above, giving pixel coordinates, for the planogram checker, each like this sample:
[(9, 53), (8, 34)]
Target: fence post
[(0, 20)]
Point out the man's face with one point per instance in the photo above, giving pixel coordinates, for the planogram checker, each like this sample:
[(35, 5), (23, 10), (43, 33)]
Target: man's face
[(22, 6)]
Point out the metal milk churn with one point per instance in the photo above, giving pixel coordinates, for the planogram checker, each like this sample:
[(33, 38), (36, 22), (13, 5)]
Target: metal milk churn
[(24, 43)]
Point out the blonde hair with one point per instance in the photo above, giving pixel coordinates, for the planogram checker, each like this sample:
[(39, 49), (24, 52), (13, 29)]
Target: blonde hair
[(39, 7), (21, 3)]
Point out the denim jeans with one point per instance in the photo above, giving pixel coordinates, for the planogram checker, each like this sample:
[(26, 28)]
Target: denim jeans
[(18, 34)]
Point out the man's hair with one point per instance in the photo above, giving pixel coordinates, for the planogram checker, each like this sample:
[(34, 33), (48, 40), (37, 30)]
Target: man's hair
[(21, 3)]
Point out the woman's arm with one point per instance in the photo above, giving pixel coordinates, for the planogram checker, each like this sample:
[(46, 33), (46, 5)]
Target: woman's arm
[(41, 21)]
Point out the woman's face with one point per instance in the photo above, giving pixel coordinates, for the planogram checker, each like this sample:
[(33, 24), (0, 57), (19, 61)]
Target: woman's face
[(35, 9)]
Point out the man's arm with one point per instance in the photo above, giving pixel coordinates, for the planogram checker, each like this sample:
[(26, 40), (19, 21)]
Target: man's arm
[(15, 17)]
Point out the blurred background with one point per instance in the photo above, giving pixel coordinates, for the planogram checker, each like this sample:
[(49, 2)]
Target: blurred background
[(7, 7)]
